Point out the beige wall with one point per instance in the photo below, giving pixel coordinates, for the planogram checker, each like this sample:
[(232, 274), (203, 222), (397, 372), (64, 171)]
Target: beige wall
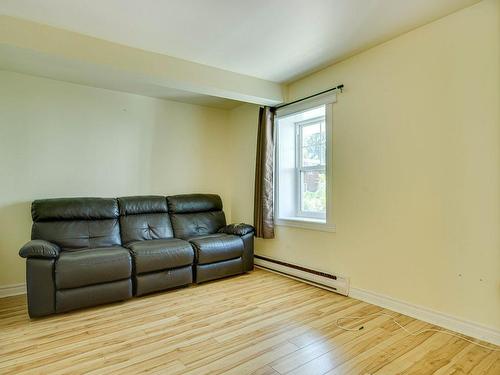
[(59, 139), (243, 120), (416, 146)]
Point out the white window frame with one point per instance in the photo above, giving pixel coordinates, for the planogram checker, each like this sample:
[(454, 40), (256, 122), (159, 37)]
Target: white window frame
[(303, 222), (299, 168)]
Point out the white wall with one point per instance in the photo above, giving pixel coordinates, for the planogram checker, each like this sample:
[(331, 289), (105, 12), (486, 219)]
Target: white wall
[(59, 140), (416, 148)]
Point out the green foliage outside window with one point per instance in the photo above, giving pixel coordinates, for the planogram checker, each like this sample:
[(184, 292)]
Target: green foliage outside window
[(315, 200)]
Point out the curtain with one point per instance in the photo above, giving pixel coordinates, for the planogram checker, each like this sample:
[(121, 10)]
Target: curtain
[(264, 175)]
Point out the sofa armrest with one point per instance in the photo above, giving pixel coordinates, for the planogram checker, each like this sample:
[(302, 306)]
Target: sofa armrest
[(40, 249), (237, 229)]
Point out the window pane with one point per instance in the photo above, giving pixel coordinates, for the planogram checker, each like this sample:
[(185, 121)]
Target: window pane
[(313, 144), (311, 133), (313, 155), (313, 194)]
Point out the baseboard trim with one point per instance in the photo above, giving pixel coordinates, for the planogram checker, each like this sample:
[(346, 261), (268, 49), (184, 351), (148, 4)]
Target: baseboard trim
[(334, 282), (450, 322), (12, 290)]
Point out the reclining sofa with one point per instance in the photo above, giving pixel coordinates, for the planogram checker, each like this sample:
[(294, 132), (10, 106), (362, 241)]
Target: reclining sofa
[(90, 251)]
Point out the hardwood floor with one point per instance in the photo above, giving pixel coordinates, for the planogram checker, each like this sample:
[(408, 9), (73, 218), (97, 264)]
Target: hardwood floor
[(259, 323)]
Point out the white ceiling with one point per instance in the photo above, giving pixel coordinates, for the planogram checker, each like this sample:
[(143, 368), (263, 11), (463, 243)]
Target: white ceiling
[(276, 40)]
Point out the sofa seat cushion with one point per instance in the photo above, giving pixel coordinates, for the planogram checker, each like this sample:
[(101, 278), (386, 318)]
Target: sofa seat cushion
[(217, 247), (155, 255), (92, 266)]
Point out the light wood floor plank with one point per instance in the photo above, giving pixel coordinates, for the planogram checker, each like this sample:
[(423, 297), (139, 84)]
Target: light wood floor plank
[(259, 323)]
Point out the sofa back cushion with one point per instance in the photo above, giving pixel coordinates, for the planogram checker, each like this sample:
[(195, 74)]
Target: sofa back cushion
[(76, 223), (195, 215), (144, 218)]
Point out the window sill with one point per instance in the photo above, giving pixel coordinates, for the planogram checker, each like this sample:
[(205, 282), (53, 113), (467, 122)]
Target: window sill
[(304, 223)]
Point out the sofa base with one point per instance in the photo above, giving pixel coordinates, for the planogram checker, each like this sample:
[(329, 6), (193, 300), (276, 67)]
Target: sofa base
[(40, 285), (248, 241), (212, 271), (77, 298), (161, 280)]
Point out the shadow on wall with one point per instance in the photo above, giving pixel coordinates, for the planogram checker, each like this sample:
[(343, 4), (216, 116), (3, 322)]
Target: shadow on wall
[(15, 230)]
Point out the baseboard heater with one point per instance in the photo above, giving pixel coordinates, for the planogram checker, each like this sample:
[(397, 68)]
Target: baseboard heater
[(334, 283)]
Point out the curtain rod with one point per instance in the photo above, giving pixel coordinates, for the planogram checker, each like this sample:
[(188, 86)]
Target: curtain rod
[(339, 87)]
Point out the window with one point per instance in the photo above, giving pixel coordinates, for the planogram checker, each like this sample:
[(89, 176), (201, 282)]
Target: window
[(311, 168), (303, 183)]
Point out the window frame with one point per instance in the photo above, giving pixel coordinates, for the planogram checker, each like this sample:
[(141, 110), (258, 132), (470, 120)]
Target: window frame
[(313, 223), (300, 168)]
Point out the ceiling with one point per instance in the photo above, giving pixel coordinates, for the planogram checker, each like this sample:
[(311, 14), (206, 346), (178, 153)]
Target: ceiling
[(275, 40)]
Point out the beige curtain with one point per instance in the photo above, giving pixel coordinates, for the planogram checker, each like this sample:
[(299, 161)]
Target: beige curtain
[(264, 175)]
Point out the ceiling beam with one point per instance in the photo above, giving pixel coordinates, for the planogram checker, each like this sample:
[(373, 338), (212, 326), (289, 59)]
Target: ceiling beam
[(33, 48)]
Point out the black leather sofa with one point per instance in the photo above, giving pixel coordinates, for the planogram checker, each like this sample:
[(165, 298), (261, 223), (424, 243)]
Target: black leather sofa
[(90, 251)]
